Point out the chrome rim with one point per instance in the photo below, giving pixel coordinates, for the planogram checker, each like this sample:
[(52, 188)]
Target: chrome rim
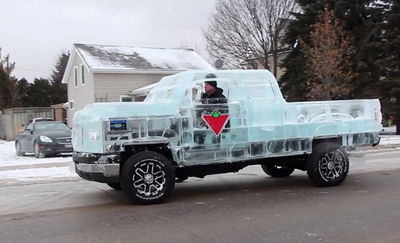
[(149, 178), (332, 165)]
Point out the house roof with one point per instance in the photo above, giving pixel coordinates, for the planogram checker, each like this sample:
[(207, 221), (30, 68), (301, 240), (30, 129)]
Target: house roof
[(128, 59)]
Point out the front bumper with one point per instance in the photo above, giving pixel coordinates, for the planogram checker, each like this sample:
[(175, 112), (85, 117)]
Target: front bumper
[(100, 168), (49, 149)]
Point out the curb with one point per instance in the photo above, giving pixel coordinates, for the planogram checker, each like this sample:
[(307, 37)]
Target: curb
[(377, 149)]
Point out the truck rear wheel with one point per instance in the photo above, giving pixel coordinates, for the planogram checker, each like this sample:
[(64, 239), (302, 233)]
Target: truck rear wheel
[(274, 170), (148, 177), (328, 165)]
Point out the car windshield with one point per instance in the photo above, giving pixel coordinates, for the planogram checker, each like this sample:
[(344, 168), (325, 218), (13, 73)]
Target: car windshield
[(41, 126)]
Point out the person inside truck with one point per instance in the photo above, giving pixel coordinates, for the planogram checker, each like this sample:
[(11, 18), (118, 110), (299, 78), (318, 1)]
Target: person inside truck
[(213, 94)]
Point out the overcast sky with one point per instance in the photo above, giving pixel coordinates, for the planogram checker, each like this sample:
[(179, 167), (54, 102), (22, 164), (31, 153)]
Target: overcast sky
[(36, 32)]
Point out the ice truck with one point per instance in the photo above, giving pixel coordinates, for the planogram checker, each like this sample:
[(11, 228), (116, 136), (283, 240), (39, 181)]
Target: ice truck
[(145, 147)]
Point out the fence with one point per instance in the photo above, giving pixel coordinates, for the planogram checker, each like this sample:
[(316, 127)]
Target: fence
[(13, 120)]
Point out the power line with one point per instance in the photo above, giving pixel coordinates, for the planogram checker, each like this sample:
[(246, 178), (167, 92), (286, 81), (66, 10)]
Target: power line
[(32, 70)]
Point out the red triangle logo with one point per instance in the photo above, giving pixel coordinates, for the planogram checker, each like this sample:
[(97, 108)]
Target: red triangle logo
[(216, 121)]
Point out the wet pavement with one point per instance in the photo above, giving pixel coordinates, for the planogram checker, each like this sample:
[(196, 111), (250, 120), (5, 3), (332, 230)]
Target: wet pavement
[(242, 207)]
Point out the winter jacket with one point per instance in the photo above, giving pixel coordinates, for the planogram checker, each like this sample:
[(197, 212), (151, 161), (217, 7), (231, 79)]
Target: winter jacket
[(215, 98)]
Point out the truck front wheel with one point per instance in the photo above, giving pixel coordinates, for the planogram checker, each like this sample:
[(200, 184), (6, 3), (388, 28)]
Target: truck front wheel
[(148, 177), (274, 170), (328, 165)]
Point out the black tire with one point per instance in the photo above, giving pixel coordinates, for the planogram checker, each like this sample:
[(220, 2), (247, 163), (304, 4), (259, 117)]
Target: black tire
[(18, 149), (328, 165), (148, 177), (274, 170), (115, 186), (37, 151)]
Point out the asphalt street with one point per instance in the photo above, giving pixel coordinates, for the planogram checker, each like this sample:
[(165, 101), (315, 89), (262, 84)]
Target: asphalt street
[(243, 207)]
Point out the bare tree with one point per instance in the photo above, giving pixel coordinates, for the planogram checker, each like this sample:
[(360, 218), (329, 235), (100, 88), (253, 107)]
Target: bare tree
[(246, 32), (328, 59)]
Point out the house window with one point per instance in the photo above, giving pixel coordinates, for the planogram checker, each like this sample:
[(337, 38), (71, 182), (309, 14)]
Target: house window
[(83, 73), (76, 76), (125, 98)]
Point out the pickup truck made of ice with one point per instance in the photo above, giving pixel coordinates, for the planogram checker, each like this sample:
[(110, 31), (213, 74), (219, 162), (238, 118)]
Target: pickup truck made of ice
[(145, 147)]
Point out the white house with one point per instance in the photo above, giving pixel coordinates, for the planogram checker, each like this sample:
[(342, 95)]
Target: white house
[(105, 73)]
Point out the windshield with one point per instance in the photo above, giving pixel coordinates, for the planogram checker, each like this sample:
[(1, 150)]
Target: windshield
[(41, 126)]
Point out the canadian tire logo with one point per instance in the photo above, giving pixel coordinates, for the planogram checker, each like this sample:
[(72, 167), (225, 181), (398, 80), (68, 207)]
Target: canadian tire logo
[(216, 121)]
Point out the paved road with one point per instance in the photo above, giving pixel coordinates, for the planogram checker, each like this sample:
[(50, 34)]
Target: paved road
[(247, 207)]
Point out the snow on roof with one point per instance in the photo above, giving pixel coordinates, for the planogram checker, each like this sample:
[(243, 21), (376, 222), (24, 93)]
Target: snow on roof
[(107, 57)]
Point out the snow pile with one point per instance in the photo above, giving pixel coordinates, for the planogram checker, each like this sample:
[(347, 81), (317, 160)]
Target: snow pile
[(389, 140), (8, 157)]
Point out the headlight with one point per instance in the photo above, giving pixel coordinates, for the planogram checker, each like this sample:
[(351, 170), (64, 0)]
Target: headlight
[(45, 139)]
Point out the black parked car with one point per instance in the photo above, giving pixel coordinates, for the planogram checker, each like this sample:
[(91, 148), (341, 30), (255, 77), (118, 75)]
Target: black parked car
[(44, 138)]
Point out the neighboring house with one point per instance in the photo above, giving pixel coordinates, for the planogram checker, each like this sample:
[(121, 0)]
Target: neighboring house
[(105, 73)]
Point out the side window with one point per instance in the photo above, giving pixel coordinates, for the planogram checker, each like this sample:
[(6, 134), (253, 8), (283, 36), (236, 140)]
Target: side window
[(71, 104), (83, 73), (125, 98), (76, 76), (29, 127), (257, 90), (221, 90), (196, 93)]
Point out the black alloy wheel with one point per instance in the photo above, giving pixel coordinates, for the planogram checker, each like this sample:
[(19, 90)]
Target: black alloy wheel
[(148, 177), (328, 165)]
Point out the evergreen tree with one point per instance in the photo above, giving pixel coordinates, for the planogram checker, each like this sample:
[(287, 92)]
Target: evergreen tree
[(361, 20), (23, 87), (58, 89), (390, 76), (38, 93), (8, 83), (293, 82), (328, 57)]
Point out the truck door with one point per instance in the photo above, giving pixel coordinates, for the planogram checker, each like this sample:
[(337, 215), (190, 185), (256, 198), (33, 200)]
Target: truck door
[(212, 131)]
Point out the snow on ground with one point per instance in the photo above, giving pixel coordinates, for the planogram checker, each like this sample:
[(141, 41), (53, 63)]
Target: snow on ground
[(8, 157), (389, 139), (26, 169), (44, 174), (12, 166)]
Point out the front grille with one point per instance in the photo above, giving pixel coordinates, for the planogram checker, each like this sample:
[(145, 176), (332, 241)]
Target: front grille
[(64, 140)]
